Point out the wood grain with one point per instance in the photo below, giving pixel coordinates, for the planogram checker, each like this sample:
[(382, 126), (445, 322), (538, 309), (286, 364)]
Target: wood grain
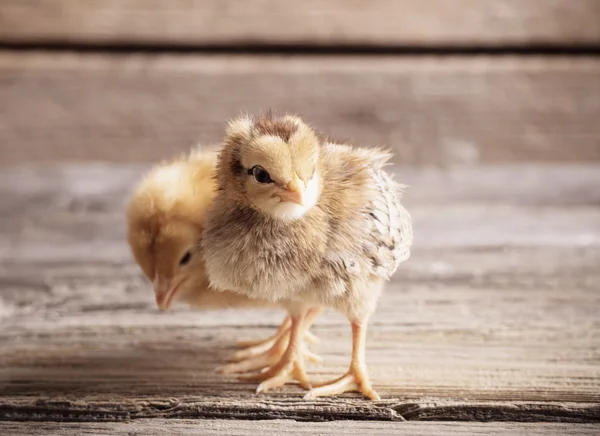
[(151, 427), (394, 23), (494, 318), (431, 111)]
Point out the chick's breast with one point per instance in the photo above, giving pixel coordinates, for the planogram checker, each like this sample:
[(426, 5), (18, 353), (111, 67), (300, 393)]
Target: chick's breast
[(259, 257)]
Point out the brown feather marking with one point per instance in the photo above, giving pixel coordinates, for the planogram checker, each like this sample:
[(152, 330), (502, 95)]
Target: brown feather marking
[(236, 165), (390, 227), (281, 127)]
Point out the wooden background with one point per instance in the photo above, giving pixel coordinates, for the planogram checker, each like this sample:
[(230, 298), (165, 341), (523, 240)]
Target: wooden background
[(444, 83), (493, 109)]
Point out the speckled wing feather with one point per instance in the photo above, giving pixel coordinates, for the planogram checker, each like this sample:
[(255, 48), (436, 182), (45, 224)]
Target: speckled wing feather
[(389, 225)]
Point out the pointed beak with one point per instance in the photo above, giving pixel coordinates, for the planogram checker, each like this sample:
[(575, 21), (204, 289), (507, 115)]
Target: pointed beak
[(294, 191), (161, 292), (165, 292)]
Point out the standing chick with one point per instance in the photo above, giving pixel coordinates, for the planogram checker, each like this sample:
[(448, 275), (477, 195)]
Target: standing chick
[(165, 220), (307, 224)]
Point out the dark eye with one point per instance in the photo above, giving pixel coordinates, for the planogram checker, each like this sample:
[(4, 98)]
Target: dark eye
[(261, 175), (185, 259)]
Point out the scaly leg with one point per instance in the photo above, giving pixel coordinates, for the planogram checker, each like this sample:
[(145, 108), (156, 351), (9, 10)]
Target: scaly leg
[(285, 325), (270, 351), (357, 377), (257, 347), (264, 344), (291, 364)]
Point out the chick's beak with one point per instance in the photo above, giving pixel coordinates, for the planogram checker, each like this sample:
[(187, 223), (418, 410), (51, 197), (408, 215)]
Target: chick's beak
[(164, 292), (161, 291), (294, 191)]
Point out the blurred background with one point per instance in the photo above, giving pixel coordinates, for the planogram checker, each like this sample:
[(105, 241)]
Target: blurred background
[(443, 82)]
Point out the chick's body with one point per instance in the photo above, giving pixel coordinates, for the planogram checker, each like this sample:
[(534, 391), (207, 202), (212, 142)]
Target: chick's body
[(358, 232), (349, 236), (165, 220)]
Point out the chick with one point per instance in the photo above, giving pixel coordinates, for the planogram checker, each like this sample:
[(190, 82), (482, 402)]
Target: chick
[(165, 219), (307, 224)]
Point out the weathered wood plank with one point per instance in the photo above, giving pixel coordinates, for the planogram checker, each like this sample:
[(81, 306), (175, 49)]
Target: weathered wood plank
[(432, 111), (493, 318), (323, 23), (151, 427)]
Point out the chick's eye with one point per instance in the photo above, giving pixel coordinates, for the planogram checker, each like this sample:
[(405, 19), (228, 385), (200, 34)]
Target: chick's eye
[(261, 175), (185, 259)]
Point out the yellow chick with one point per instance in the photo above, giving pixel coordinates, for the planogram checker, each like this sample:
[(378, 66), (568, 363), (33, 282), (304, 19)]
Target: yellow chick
[(165, 220), (307, 224)]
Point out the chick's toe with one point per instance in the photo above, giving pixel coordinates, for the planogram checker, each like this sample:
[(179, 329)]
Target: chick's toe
[(352, 381), (357, 377), (290, 367)]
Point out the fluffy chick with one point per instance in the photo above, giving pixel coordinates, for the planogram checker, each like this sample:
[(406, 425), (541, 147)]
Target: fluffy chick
[(165, 220), (308, 224)]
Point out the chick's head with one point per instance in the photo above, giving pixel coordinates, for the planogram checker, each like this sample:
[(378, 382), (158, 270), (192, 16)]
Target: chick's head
[(271, 164), (164, 227)]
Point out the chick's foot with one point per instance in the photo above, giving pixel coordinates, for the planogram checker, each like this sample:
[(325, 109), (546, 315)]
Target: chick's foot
[(267, 358), (355, 380), (258, 359), (259, 348), (290, 367), (271, 344), (357, 377), (266, 353)]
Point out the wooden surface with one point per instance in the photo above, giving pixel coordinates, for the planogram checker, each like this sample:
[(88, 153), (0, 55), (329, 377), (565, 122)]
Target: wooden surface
[(432, 111), (494, 318), (389, 23), (151, 427)]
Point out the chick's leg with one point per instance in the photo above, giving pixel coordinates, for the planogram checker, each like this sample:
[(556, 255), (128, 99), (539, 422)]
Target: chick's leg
[(357, 377), (268, 352), (257, 347), (291, 364), (253, 347)]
